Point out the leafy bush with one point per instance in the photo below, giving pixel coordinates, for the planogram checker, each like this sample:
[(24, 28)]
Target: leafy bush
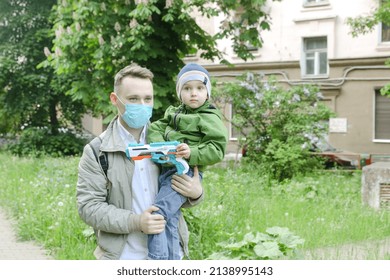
[(274, 244), (277, 125), (40, 141)]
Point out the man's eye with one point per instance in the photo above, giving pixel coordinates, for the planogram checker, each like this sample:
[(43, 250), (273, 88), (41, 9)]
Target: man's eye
[(133, 99)]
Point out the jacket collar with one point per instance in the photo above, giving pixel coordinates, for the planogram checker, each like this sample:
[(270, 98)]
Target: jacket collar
[(112, 140), (204, 106)]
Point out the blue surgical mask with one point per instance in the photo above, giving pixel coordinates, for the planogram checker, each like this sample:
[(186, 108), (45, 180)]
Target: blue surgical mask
[(136, 115)]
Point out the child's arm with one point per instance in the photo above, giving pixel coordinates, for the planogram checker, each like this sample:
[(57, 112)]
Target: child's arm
[(212, 147), (157, 129)]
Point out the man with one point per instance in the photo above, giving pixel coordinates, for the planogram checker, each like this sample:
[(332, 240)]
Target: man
[(119, 205)]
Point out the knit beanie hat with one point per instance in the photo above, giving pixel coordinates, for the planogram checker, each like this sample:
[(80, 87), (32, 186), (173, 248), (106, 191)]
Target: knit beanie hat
[(193, 72)]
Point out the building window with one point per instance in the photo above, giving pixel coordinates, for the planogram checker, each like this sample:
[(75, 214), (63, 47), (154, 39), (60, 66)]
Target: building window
[(315, 2), (245, 30), (315, 61), (251, 47), (235, 133), (247, 45), (385, 32), (382, 116)]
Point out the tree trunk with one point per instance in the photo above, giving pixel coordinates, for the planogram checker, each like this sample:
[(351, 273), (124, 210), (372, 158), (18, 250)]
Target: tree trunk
[(54, 124)]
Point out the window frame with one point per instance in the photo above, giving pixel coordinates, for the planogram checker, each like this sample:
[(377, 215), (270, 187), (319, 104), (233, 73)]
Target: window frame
[(317, 59), (375, 116), (315, 3), (234, 133), (244, 25), (381, 31)]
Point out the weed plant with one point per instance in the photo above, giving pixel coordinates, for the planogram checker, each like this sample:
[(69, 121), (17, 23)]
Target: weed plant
[(324, 208)]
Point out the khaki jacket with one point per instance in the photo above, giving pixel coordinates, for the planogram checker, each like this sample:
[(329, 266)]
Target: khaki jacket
[(105, 203)]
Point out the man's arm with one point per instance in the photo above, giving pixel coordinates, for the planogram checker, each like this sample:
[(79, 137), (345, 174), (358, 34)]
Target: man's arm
[(92, 193), (190, 187), (94, 209)]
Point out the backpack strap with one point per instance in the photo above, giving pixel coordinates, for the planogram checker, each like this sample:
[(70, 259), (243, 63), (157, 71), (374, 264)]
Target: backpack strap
[(101, 158)]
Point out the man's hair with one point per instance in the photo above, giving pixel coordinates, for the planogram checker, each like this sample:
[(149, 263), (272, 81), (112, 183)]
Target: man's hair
[(132, 70)]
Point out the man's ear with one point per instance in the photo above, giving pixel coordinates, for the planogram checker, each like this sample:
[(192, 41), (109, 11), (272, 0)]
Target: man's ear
[(113, 98)]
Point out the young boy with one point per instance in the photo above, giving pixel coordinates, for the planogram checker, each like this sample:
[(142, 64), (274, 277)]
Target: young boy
[(198, 126)]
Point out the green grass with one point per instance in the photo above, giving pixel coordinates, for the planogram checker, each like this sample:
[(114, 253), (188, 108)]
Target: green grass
[(40, 195), (324, 209)]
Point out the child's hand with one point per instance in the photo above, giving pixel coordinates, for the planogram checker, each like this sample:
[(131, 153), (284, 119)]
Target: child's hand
[(183, 150)]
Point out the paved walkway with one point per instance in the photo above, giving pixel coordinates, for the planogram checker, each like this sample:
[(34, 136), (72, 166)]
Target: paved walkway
[(12, 249), (364, 250)]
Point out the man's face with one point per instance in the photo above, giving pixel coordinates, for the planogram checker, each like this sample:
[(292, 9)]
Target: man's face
[(133, 91)]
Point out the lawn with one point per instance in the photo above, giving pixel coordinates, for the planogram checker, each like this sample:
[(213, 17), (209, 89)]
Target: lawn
[(324, 208)]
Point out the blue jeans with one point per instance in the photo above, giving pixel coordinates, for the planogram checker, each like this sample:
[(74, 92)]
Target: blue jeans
[(166, 245)]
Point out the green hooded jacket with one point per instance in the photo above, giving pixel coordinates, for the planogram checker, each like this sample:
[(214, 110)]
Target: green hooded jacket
[(201, 128)]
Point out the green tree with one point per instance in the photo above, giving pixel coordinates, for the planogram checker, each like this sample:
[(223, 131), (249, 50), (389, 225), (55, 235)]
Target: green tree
[(33, 103), (94, 39), (361, 25), (279, 126), (30, 97)]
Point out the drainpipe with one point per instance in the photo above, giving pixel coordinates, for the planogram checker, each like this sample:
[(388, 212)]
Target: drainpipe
[(334, 82)]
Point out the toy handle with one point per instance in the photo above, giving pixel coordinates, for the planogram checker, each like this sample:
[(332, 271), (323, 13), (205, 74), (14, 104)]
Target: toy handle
[(181, 165)]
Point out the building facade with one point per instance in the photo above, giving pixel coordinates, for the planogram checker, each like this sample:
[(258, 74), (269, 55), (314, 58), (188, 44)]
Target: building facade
[(310, 42)]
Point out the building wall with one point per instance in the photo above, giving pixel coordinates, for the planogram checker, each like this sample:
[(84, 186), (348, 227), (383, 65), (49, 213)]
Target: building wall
[(291, 20), (356, 65), (355, 103), (350, 96), (92, 125)]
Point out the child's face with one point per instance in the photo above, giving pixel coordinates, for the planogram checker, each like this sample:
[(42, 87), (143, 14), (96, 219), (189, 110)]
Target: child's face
[(194, 94)]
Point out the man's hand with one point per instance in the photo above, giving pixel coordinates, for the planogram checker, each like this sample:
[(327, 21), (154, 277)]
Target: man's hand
[(187, 186), (152, 224), (183, 150)]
